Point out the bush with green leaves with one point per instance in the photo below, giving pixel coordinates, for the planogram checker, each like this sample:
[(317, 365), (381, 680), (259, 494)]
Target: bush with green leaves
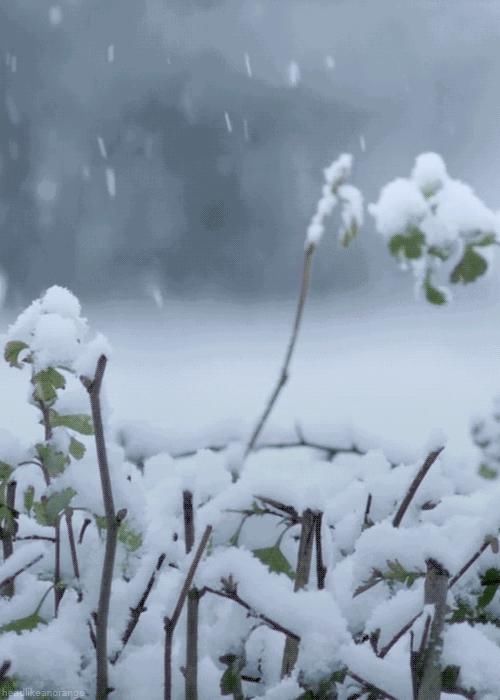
[(314, 566)]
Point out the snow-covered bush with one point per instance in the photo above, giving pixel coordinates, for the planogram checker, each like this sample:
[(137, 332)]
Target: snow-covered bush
[(317, 569), (437, 227)]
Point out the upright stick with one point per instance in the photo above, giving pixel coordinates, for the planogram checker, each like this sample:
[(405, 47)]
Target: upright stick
[(112, 524), (284, 373)]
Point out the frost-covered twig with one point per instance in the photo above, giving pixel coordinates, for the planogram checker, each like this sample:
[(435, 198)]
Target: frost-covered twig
[(139, 609), (413, 488), (12, 577), (291, 651), (93, 387), (170, 623), (8, 533), (68, 514), (436, 588), (233, 595)]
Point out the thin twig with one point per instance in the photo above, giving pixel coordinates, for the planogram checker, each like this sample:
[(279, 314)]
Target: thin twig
[(233, 595), (320, 566), (8, 533), (24, 568), (284, 373), (113, 521), (470, 562), (191, 674), (413, 488), (366, 517), (140, 608), (35, 537), (331, 450), (85, 525), (58, 586), (187, 499), (371, 686), (71, 537), (170, 623), (436, 588), (291, 651)]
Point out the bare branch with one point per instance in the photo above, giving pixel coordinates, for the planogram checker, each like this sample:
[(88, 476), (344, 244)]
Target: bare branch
[(284, 373), (233, 595), (8, 534), (320, 566), (291, 651), (170, 623), (24, 568), (112, 524), (413, 488), (140, 608), (371, 686)]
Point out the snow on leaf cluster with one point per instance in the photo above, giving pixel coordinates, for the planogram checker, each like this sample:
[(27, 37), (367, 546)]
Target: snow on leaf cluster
[(337, 190), (437, 227)]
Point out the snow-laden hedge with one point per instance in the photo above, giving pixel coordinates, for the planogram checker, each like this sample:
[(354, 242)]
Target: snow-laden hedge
[(312, 566)]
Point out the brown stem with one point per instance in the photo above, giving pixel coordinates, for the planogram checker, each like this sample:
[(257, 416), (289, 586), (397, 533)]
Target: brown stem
[(451, 583), (413, 488), (304, 557), (436, 588), (58, 586), (170, 623), (371, 686), (8, 533), (191, 674), (233, 595), (112, 522), (284, 373), (187, 498), (331, 450), (140, 608), (8, 579), (320, 566), (68, 514), (85, 525), (192, 605)]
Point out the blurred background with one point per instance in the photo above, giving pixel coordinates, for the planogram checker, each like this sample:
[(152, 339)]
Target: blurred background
[(153, 149)]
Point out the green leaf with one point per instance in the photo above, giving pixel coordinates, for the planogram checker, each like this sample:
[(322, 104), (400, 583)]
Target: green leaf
[(5, 471), (410, 245), (76, 448), (12, 351), (80, 422), (275, 560), (449, 678), (491, 582), (471, 266), (48, 509), (29, 497), (128, 537), (53, 461), (47, 382), (230, 681), (349, 233), (487, 239), (23, 624), (8, 686), (487, 472), (434, 295)]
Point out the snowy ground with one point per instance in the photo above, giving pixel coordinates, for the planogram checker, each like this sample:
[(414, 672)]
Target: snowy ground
[(202, 370)]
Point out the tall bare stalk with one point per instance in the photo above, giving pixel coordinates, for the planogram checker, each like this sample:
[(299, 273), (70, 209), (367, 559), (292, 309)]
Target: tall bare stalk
[(113, 521), (304, 558), (284, 372)]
